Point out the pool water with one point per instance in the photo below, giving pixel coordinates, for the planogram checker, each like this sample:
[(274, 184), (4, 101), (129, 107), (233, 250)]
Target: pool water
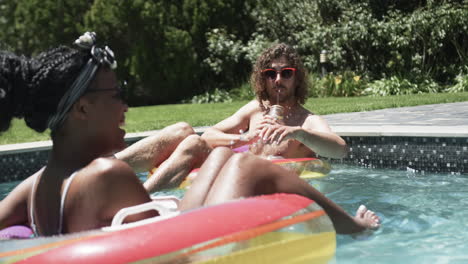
[(424, 216)]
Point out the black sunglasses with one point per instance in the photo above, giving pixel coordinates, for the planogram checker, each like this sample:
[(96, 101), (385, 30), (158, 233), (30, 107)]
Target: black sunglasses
[(285, 73), (121, 91)]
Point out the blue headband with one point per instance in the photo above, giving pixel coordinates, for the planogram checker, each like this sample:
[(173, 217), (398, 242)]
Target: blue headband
[(99, 56)]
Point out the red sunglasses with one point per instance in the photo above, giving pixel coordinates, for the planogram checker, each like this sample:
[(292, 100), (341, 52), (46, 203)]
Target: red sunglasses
[(285, 73)]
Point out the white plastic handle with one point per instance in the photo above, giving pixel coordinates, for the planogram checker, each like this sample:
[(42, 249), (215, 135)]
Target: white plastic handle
[(124, 212), (168, 198)]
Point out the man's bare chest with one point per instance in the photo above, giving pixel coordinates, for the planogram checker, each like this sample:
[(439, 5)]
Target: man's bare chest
[(285, 148)]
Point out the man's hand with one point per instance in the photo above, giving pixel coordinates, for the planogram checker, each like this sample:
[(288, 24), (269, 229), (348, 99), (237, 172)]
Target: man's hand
[(249, 138), (272, 130)]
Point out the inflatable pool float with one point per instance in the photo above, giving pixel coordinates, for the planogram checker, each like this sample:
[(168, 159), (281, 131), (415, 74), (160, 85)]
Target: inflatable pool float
[(278, 228), (306, 168)]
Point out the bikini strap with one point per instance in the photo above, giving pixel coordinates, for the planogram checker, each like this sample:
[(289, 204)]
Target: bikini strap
[(62, 201), (62, 204), (31, 207)]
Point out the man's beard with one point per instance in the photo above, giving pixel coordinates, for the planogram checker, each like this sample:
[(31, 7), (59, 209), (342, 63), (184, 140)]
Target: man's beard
[(280, 95)]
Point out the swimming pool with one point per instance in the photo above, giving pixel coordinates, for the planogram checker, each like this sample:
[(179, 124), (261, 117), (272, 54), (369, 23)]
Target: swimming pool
[(424, 219)]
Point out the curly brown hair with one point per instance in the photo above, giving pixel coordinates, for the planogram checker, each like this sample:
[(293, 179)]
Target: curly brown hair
[(258, 81)]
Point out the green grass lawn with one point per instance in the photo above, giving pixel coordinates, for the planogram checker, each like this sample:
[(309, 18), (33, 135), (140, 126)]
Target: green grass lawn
[(156, 117)]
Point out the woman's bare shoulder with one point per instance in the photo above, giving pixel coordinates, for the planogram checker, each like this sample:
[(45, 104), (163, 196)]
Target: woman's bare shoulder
[(104, 167)]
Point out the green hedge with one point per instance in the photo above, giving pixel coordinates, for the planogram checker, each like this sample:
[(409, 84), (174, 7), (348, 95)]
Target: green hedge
[(171, 50)]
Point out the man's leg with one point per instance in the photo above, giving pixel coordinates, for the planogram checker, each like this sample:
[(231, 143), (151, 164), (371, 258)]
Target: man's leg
[(196, 195), (153, 150), (189, 154)]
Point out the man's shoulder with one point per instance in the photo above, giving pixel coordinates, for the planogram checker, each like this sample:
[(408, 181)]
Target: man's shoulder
[(308, 116), (253, 104), (313, 120), (306, 111), (251, 107)]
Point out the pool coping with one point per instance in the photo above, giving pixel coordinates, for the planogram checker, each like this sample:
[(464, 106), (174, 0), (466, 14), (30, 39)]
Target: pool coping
[(353, 131), (47, 144), (401, 131)]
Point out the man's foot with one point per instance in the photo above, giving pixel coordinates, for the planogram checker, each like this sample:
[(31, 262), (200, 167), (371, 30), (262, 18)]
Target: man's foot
[(367, 218)]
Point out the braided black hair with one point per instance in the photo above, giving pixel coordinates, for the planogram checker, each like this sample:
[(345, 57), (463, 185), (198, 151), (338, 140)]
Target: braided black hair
[(33, 87), (14, 86)]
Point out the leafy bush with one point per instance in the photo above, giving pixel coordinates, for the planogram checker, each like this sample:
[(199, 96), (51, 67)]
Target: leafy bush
[(215, 96), (242, 93), (413, 40), (226, 59), (170, 50), (400, 86), (461, 82), (160, 45), (346, 84)]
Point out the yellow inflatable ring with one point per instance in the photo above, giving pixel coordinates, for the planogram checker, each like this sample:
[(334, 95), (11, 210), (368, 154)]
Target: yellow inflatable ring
[(306, 168)]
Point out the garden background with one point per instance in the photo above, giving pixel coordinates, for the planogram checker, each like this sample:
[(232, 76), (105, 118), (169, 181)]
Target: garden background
[(195, 51)]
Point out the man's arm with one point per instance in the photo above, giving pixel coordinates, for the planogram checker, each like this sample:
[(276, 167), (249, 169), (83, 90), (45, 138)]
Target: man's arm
[(151, 151), (317, 135), (230, 131), (314, 134)]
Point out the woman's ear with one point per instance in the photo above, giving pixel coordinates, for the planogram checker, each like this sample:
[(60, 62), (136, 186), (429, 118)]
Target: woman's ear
[(81, 109)]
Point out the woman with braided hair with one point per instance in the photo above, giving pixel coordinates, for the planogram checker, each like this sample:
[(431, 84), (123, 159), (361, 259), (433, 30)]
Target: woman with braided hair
[(75, 93)]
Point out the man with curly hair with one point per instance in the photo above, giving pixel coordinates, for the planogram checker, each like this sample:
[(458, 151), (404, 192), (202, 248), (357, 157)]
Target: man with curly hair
[(278, 78)]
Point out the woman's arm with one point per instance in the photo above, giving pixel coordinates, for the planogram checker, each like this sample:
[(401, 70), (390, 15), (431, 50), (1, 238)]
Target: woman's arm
[(14, 207)]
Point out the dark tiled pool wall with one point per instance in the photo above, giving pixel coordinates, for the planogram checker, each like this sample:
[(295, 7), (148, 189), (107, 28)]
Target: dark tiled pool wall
[(18, 166), (421, 154)]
